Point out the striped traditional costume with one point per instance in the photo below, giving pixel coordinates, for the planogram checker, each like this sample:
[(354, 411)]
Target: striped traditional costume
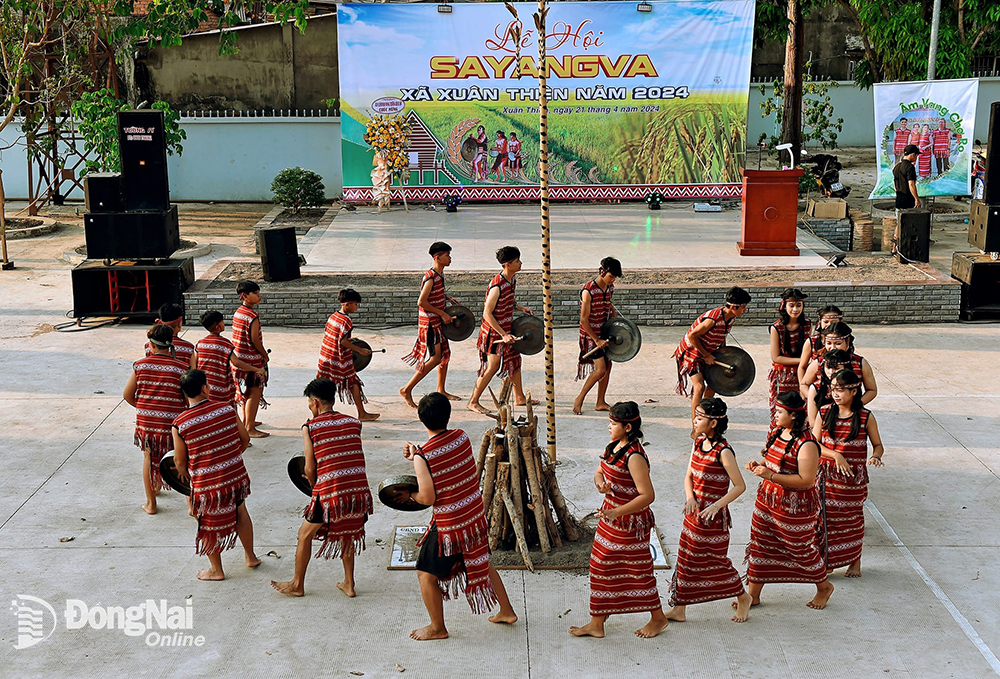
[(336, 362), (158, 400), (431, 329), (219, 480), (245, 350), (214, 352), (341, 497), (503, 312), (781, 378), (600, 311), (689, 361), (703, 571), (459, 517), (787, 541), (621, 564), (845, 495)]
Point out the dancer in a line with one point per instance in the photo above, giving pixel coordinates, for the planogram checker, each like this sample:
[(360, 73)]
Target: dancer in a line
[(172, 316), (248, 342), (703, 571), (217, 359), (454, 553), (787, 533), (813, 350), (209, 441), (833, 361), (341, 500), (154, 390), (496, 344), (788, 337), (840, 336), (480, 163), (595, 309), (336, 355), (431, 349), (621, 565), (844, 429), (514, 154), (706, 335)]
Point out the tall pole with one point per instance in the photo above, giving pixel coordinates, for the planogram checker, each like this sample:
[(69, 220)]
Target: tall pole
[(543, 176), (932, 56), (7, 264)]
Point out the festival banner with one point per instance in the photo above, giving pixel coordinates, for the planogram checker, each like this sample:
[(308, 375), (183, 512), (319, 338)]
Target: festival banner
[(637, 100), (936, 116)]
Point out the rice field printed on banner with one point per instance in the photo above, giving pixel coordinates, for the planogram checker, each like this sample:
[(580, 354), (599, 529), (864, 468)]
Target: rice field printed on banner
[(656, 98)]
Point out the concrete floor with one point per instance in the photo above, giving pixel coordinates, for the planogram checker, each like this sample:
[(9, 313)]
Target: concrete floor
[(929, 595)]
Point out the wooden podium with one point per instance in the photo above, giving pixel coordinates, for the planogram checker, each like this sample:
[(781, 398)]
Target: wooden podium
[(770, 212)]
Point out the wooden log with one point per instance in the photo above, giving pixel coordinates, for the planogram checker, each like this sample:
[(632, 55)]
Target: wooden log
[(497, 509), (518, 522), (505, 388), (494, 397), (537, 501), (484, 449), (514, 456), (559, 504), (489, 479), (540, 463), (528, 408)]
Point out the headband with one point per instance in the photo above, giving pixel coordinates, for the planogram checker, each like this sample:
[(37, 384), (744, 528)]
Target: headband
[(701, 412), (624, 420), (164, 345), (791, 409), (837, 337)]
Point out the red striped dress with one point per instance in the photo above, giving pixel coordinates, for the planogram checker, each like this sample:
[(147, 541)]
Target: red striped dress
[(431, 330), (158, 400), (782, 378), (213, 358), (924, 159), (182, 349), (460, 517), (689, 361), (219, 480), (621, 564), (503, 312), (786, 542), (703, 571), (245, 350), (336, 362), (341, 491), (600, 311), (941, 142), (845, 495)]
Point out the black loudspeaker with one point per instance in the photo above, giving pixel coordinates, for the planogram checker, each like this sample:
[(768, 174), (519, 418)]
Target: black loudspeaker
[(914, 235), (279, 253), (143, 146), (102, 191), (980, 278), (991, 187), (132, 235), (129, 289), (984, 226)]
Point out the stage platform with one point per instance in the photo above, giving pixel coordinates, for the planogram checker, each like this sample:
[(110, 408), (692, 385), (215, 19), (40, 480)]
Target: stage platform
[(673, 237)]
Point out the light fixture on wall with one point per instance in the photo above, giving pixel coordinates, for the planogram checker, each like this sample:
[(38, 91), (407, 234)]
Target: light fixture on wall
[(644, 7), (444, 9)]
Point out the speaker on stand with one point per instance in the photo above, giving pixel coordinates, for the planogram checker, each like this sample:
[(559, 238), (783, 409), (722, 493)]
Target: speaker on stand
[(914, 236)]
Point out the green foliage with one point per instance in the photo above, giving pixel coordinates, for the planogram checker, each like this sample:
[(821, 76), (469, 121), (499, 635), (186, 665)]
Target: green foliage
[(296, 188), (818, 124), (96, 115), (333, 104)]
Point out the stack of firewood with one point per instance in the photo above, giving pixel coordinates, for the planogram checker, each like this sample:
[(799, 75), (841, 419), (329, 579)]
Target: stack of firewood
[(519, 484)]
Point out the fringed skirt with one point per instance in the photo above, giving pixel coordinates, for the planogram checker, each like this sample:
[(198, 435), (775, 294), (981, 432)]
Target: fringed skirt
[(342, 532), (703, 571), (158, 444), (428, 337), (621, 572), (344, 378), (217, 512)]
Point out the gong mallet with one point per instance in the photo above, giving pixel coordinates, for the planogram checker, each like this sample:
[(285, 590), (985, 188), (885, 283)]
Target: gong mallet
[(593, 351)]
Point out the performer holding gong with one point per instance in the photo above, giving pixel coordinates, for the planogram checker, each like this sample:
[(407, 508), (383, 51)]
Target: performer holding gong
[(454, 552), (336, 356), (341, 500), (595, 309)]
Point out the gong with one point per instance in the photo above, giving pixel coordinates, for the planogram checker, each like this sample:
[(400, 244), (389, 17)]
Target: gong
[(530, 332), (624, 339), (297, 473), (462, 325), (395, 492), (361, 361), (732, 373), (168, 470), (469, 149)]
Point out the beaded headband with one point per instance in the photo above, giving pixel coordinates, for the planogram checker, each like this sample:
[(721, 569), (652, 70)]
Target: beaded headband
[(711, 417)]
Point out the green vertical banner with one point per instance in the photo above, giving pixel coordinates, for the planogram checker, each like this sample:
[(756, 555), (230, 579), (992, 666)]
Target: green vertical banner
[(638, 101)]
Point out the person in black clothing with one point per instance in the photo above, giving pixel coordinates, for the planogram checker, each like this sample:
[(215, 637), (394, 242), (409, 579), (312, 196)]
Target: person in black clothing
[(904, 176)]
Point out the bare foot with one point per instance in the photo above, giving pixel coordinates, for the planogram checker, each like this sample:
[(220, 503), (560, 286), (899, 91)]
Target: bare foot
[(753, 602), (577, 408), (287, 588), (502, 618), (211, 574), (676, 615), (591, 629), (257, 423), (475, 407), (407, 397), (252, 561), (428, 633), (742, 608), (854, 570), (257, 434), (602, 406), (823, 592), (451, 397), (369, 417), (347, 589), (149, 508), (534, 402), (653, 627)]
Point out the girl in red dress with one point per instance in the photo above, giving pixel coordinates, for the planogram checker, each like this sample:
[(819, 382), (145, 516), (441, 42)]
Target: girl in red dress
[(844, 429), (621, 565), (703, 571), (813, 349), (840, 336), (786, 532), (788, 335), (833, 362)]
